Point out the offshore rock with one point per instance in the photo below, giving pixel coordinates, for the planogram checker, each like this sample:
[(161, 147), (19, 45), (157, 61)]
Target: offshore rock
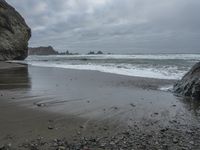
[(189, 85), (14, 34), (42, 51)]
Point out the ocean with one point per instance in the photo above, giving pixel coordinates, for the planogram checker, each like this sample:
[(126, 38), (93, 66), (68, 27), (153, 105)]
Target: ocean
[(160, 66)]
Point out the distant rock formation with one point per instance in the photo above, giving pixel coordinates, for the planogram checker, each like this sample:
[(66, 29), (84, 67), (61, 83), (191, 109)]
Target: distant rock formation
[(99, 53), (42, 51), (93, 53), (14, 33), (190, 84)]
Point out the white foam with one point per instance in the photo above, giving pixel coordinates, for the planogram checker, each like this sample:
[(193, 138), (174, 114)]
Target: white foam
[(128, 71), (166, 88), (146, 56), (160, 70)]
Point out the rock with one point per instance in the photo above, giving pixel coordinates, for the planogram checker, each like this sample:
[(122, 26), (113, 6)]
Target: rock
[(50, 127), (6, 147), (42, 51), (61, 148), (175, 140), (164, 130), (189, 85), (99, 52), (14, 34), (132, 105), (2, 147), (91, 53), (40, 104), (191, 142)]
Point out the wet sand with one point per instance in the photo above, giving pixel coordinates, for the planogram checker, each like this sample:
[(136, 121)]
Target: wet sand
[(92, 110)]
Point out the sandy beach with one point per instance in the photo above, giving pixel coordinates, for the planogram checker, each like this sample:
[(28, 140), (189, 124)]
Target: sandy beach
[(54, 108)]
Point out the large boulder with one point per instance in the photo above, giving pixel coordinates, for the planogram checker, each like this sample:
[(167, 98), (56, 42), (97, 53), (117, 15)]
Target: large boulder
[(189, 85), (14, 34)]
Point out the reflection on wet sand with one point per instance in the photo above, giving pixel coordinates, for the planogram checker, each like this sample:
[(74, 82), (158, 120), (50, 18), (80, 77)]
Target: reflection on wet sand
[(14, 78)]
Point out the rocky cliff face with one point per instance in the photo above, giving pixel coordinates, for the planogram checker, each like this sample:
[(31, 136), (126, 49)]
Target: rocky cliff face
[(42, 51), (190, 84), (14, 33)]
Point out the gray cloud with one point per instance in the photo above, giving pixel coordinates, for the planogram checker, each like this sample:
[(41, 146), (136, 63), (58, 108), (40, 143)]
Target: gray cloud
[(120, 26)]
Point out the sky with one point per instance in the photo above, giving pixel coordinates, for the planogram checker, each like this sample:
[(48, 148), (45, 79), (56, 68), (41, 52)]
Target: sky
[(116, 26)]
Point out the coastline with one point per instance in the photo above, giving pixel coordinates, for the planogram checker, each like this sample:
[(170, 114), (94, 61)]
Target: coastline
[(76, 104)]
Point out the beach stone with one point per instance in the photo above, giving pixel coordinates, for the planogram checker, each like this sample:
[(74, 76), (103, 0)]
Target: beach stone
[(189, 85), (50, 127), (2, 147), (14, 34), (175, 140), (61, 148)]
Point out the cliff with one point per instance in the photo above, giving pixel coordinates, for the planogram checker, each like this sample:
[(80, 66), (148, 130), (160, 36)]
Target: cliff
[(14, 33), (42, 51)]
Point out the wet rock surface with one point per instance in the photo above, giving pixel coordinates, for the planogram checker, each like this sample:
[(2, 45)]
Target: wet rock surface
[(189, 85), (14, 34)]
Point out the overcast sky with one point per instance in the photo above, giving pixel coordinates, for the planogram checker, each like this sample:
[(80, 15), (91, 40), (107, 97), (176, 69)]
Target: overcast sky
[(119, 26)]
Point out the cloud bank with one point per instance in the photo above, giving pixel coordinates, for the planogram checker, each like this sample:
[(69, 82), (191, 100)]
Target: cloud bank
[(119, 26)]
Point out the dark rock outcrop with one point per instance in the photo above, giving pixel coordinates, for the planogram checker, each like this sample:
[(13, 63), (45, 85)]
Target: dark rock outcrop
[(14, 33), (42, 51), (189, 85)]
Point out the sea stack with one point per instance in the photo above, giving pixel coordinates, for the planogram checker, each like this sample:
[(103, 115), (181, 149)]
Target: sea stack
[(14, 34), (189, 85)]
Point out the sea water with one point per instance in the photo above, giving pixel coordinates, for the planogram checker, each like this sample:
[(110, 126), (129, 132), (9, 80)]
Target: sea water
[(160, 66)]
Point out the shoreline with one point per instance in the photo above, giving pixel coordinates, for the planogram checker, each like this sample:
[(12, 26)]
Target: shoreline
[(153, 83), (45, 108), (11, 65)]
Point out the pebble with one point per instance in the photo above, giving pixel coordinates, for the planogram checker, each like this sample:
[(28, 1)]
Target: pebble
[(164, 129), (6, 147), (105, 128), (2, 147), (102, 145), (50, 127), (132, 105), (112, 143), (116, 108), (192, 142), (61, 148), (175, 140), (9, 144), (184, 148), (40, 105), (126, 139), (78, 132)]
